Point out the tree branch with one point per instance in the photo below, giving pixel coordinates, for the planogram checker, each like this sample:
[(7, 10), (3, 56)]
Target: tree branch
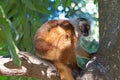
[(33, 66)]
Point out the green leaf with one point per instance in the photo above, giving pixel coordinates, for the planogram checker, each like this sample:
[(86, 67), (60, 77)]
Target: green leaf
[(16, 20), (11, 45), (9, 5), (6, 28), (12, 12), (40, 7), (29, 4), (4, 53), (57, 3), (95, 1), (84, 43), (2, 37), (2, 45), (66, 3), (81, 61), (46, 3), (4, 78), (90, 46)]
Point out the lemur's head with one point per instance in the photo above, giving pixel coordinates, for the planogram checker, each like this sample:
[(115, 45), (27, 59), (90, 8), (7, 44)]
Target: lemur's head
[(82, 26)]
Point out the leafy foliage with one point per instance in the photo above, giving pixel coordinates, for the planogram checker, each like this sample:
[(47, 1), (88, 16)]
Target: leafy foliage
[(5, 23), (16, 78)]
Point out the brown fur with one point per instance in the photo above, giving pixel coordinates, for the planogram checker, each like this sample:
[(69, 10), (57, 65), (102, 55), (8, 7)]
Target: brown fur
[(56, 41)]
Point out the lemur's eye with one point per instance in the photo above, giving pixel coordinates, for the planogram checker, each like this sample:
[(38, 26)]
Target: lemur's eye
[(81, 27), (88, 27)]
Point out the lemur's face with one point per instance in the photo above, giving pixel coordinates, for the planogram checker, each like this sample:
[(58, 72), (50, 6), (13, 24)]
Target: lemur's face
[(84, 26)]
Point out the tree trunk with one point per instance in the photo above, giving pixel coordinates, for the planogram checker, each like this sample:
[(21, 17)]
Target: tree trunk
[(109, 49)]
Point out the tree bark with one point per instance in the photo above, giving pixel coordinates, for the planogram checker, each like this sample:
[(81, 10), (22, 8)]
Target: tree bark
[(109, 49)]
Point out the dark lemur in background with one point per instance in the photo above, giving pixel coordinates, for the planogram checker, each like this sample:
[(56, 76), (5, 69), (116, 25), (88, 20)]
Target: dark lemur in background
[(58, 41)]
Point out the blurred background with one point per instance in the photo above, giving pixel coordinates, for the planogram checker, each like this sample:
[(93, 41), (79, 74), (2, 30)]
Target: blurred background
[(19, 20)]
